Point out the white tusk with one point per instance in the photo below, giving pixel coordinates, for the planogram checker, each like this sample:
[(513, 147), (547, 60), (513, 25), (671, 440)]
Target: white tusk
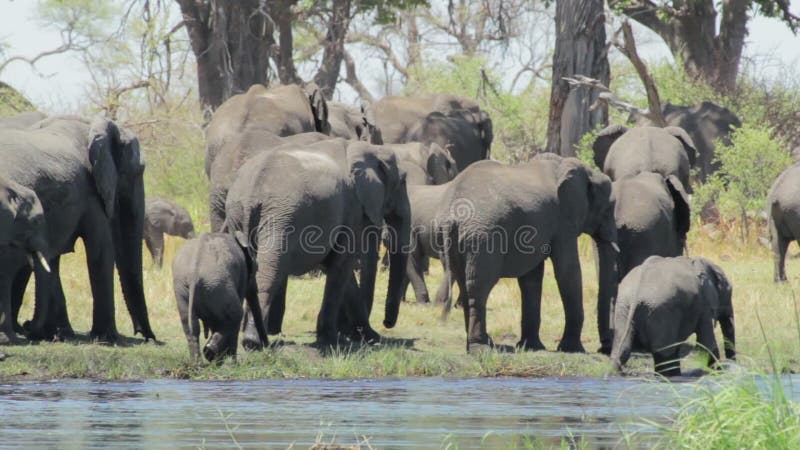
[(43, 261), (615, 247)]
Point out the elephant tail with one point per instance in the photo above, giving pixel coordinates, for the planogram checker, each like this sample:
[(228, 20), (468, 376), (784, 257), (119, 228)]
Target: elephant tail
[(623, 341), (448, 236)]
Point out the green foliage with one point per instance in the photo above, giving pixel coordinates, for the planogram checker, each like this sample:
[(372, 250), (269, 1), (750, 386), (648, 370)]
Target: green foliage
[(12, 101), (386, 11), (519, 120), (747, 169), (584, 147)]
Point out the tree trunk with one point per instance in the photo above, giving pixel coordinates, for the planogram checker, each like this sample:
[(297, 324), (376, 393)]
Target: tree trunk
[(328, 73), (580, 50), (287, 72), (690, 31), (231, 41)]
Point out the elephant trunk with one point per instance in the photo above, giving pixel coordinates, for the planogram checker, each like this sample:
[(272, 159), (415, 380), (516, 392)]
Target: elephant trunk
[(608, 279), (399, 225), (128, 230), (729, 335)]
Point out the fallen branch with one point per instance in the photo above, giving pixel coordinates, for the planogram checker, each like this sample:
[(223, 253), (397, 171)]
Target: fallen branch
[(628, 48)]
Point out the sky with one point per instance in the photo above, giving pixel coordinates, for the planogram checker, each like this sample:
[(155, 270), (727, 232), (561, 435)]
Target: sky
[(59, 82)]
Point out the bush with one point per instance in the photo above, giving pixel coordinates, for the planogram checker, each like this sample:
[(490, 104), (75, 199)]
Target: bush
[(748, 168)]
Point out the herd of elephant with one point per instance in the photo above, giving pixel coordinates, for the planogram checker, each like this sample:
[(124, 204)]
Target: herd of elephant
[(299, 184)]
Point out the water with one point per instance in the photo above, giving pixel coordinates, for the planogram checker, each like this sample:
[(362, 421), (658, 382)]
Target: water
[(404, 413)]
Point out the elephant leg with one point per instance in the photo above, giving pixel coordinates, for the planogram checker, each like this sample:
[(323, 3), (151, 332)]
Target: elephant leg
[(190, 330), (354, 318), (338, 272), (99, 247), (567, 268), (37, 328), (414, 275), (667, 362), (779, 246), (268, 287), (441, 292), (277, 309), (7, 334), (60, 317), (707, 341), (530, 287), (18, 287), (474, 305), (157, 251)]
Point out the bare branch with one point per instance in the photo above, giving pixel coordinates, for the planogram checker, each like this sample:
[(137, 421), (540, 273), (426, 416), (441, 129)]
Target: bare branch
[(66, 46), (382, 45), (607, 97), (628, 48), (352, 78)]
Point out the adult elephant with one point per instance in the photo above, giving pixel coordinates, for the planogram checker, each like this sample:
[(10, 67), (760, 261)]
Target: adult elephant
[(500, 221), (425, 163), (623, 152), (783, 209), (455, 123), (706, 123), (233, 155), (282, 110), (349, 122), (23, 234), (652, 216), (88, 177), (328, 214)]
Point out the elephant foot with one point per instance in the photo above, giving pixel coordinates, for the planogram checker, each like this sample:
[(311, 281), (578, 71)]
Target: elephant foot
[(365, 334), (18, 328), (251, 343), (781, 279), (65, 332), (530, 345), (104, 337), (571, 346), (478, 346), (8, 338), (604, 350), (38, 333)]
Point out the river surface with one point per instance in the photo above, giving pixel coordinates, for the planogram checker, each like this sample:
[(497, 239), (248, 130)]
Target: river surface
[(402, 413)]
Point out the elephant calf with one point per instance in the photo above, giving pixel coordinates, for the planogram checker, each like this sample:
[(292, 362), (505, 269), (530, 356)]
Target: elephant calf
[(783, 207), (164, 216), (664, 301), (210, 276)]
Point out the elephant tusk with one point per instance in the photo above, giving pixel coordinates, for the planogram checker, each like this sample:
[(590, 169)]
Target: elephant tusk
[(615, 247), (43, 261)]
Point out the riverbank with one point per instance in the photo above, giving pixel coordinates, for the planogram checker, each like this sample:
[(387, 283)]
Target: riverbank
[(420, 345)]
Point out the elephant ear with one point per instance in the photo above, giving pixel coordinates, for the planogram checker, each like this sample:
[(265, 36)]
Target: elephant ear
[(369, 178), (319, 107), (687, 142), (682, 209), (574, 193), (714, 286), (603, 141), (373, 132), (487, 133), (103, 142)]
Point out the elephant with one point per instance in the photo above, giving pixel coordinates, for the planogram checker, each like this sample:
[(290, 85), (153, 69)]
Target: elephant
[(706, 123), (425, 164), (353, 123), (652, 217), (164, 216), (665, 300), (22, 120), (88, 177), (282, 110), (783, 210), (232, 156), (23, 233), (497, 221), (211, 276), (622, 152), (328, 214), (455, 123)]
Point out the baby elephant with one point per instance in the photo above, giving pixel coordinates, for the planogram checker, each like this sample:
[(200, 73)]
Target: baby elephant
[(211, 275), (164, 216), (665, 300)]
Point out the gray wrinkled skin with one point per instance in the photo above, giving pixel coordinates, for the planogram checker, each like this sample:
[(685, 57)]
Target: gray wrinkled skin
[(162, 216), (783, 209)]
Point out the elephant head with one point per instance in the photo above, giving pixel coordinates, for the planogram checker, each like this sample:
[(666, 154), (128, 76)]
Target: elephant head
[(440, 164), (319, 108), (487, 133), (117, 170), (22, 223), (587, 206), (717, 291), (381, 191), (682, 210)]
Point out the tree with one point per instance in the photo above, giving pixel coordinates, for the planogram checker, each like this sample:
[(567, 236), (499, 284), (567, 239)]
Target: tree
[(580, 50), (689, 28)]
